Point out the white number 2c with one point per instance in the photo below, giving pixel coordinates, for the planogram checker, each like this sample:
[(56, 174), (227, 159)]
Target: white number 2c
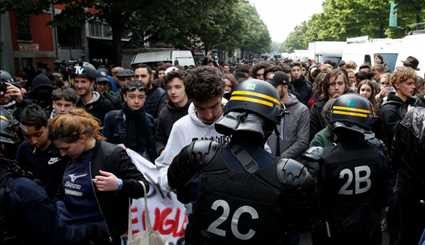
[(213, 227)]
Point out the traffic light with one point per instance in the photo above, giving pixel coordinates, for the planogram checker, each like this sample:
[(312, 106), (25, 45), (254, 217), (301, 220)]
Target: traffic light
[(393, 14)]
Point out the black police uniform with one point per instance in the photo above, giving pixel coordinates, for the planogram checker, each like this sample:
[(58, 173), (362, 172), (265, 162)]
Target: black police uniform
[(354, 188), (353, 177), (238, 190), (237, 196)]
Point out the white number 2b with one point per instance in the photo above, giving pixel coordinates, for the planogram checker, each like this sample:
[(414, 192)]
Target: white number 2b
[(361, 175)]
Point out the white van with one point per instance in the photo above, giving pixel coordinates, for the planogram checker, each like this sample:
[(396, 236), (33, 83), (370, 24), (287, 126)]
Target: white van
[(182, 57), (327, 50), (412, 45), (362, 51)]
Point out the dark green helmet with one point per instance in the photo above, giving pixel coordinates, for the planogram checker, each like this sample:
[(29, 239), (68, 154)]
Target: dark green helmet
[(351, 111), (256, 96), (253, 107)]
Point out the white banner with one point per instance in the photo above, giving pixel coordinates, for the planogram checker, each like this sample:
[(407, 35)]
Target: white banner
[(167, 214)]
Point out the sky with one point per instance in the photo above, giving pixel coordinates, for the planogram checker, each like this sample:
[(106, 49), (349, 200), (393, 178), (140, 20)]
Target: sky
[(281, 16)]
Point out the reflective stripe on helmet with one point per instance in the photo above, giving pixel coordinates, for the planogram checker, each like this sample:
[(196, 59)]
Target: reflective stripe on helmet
[(248, 99), (344, 108), (256, 94), (354, 114)]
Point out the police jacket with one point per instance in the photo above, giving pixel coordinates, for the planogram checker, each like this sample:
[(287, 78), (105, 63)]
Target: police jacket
[(354, 185), (237, 197)]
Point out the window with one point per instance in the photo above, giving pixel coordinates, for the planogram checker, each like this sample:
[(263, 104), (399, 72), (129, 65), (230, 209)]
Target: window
[(69, 37), (23, 28)]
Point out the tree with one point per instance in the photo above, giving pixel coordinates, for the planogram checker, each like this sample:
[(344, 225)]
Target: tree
[(295, 39), (414, 8), (340, 20), (205, 24)]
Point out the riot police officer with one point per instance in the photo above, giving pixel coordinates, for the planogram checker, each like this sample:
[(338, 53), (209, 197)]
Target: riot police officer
[(353, 176), (237, 190), (26, 216)]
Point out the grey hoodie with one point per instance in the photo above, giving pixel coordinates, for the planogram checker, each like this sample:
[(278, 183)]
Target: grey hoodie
[(294, 130)]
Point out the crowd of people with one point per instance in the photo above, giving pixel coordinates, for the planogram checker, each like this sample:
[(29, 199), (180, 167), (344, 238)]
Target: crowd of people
[(332, 150)]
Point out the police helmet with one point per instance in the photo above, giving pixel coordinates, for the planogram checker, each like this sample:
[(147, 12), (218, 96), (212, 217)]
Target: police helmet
[(253, 106), (6, 77), (256, 96), (351, 111), (8, 133), (293, 175)]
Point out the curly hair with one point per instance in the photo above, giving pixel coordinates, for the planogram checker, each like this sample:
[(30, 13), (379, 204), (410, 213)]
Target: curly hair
[(71, 126), (402, 74), (204, 83), (261, 65), (333, 76)]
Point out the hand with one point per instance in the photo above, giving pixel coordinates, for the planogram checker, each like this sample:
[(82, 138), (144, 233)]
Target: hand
[(15, 93), (106, 181)]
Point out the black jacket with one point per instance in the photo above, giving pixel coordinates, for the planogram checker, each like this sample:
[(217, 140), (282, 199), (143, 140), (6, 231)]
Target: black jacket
[(47, 166), (391, 113), (115, 129), (409, 146), (98, 107), (168, 115), (302, 89), (317, 121), (156, 99), (114, 204)]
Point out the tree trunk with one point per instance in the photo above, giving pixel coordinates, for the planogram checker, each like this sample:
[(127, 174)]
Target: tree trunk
[(418, 15)]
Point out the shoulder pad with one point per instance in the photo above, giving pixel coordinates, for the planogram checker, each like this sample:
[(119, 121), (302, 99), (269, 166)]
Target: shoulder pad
[(204, 150), (314, 153), (379, 144), (293, 174)]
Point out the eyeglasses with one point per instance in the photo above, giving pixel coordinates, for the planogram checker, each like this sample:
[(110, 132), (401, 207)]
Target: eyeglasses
[(134, 88)]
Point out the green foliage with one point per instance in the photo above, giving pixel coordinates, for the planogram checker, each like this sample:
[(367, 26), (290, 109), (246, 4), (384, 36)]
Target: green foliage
[(208, 24), (342, 19)]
